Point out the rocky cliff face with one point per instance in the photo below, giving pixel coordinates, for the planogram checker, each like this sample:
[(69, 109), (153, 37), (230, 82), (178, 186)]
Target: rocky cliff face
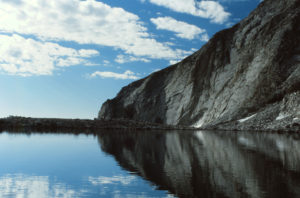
[(245, 77)]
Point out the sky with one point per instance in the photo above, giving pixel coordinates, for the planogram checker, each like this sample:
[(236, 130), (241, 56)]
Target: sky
[(64, 58)]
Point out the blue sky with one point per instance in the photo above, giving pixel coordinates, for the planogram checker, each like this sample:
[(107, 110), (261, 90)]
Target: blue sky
[(64, 58)]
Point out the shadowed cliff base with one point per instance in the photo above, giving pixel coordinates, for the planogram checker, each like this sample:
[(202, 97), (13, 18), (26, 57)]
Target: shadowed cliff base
[(245, 78)]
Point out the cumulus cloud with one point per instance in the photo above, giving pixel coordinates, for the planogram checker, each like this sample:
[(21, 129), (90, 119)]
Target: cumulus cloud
[(26, 56), (206, 9), (83, 22), (127, 75), (182, 29), (125, 59), (172, 62)]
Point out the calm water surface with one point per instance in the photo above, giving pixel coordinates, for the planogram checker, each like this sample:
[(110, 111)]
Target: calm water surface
[(150, 164)]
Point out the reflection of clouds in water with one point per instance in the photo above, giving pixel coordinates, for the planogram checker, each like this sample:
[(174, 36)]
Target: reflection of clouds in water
[(246, 142), (124, 180), (34, 187), (118, 194), (24, 186)]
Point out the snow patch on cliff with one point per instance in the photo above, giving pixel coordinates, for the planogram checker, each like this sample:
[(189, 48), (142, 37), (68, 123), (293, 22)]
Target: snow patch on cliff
[(282, 116), (247, 118)]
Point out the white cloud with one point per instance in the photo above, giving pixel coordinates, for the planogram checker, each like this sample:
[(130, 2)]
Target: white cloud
[(25, 56), (182, 29), (125, 59), (87, 53), (204, 37), (83, 22), (172, 62), (124, 76), (169, 43), (207, 9), (125, 180)]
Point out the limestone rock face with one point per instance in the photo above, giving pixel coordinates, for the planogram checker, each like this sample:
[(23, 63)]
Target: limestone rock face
[(250, 69)]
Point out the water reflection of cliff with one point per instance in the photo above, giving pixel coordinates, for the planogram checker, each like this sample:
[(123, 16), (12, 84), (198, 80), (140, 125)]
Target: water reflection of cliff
[(211, 164)]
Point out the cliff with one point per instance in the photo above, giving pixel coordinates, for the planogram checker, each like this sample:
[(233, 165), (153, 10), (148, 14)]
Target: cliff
[(245, 77)]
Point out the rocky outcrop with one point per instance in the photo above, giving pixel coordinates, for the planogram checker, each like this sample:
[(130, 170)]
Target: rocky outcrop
[(251, 70)]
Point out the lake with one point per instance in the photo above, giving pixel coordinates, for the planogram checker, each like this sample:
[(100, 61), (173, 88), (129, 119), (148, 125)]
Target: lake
[(150, 164)]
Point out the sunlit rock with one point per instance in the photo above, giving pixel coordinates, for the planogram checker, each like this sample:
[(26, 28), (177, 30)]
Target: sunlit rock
[(251, 68)]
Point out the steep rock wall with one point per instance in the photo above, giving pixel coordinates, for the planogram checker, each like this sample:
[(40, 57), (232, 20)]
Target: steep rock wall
[(239, 72)]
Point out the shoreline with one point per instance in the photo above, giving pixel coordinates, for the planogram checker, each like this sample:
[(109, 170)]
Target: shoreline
[(29, 124), (63, 124)]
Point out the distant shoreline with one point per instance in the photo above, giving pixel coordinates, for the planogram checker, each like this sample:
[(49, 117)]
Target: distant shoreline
[(17, 123), (28, 124)]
